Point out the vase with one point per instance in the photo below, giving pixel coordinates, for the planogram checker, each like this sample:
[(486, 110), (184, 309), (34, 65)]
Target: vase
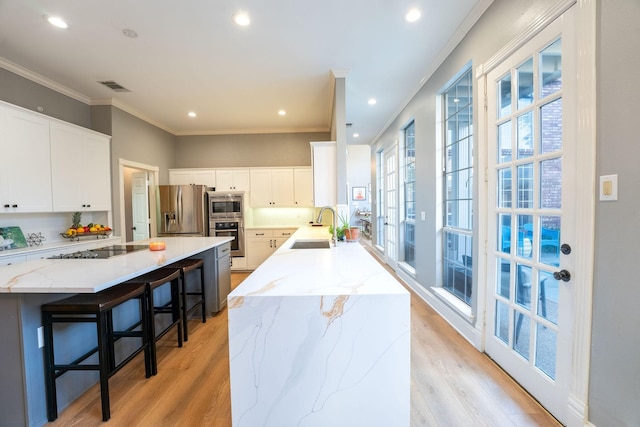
[(352, 234)]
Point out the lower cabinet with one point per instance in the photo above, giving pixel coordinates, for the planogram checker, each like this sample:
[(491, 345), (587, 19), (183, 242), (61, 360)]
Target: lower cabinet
[(262, 242)]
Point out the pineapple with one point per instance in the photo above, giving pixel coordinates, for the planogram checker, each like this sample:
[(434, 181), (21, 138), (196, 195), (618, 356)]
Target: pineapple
[(75, 220)]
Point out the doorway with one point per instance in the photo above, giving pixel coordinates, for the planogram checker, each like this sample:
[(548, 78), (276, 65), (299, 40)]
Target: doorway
[(137, 215)]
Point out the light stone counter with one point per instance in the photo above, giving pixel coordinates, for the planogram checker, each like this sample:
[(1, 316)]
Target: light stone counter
[(94, 275), (319, 337)]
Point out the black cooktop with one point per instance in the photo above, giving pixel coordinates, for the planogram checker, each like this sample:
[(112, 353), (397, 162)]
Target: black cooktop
[(101, 253)]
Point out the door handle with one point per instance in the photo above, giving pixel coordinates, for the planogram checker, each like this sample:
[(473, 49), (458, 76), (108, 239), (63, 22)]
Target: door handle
[(563, 275)]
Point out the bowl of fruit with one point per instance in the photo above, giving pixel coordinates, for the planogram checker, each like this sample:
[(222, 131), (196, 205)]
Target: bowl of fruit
[(77, 230)]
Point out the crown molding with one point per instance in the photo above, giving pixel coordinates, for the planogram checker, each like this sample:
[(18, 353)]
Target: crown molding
[(252, 131), (41, 80)]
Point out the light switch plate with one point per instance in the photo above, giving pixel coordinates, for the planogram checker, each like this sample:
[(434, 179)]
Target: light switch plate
[(608, 188)]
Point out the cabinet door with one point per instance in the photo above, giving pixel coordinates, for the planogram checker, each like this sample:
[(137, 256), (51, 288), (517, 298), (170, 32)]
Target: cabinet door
[(177, 177), (205, 177), (325, 173), (224, 179), (80, 169), (282, 187), (258, 250), (303, 187), (241, 180), (261, 188), (25, 175)]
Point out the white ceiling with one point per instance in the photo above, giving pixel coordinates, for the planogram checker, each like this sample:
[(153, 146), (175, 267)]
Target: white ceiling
[(190, 56)]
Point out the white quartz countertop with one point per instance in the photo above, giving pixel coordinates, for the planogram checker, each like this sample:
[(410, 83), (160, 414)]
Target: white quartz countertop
[(94, 275), (347, 269)]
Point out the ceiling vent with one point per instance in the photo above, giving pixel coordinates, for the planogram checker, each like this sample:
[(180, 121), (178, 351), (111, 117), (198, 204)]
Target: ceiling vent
[(114, 86)]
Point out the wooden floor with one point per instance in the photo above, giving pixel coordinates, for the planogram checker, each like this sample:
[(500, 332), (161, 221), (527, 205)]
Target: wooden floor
[(452, 384)]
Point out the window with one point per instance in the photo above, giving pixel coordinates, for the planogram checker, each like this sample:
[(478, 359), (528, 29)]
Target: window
[(409, 205), (458, 188)]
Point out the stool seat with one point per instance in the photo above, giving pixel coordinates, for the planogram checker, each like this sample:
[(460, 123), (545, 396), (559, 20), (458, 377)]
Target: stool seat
[(153, 280), (96, 308), (186, 265)]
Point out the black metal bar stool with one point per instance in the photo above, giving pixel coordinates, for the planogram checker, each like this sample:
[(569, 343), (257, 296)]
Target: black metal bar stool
[(95, 308), (185, 266), (153, 280)]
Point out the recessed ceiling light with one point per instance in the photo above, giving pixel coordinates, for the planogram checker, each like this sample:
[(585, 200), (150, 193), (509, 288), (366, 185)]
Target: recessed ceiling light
[(356, 135), (56, 21), (242, 19), (413, 15), (372, 101), (282, 113), (191, 114)]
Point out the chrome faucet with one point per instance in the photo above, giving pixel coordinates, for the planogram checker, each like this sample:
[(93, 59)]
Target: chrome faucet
[(335, 224)]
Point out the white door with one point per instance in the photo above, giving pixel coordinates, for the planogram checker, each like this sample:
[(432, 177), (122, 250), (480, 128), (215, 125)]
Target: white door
[(140, 206), (391, 205), (531, 124)]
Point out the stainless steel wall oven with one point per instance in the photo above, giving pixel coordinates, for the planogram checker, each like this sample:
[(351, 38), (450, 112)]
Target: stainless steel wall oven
[(226, 218)]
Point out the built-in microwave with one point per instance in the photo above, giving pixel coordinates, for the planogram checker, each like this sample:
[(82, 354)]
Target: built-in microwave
[(225, 205)]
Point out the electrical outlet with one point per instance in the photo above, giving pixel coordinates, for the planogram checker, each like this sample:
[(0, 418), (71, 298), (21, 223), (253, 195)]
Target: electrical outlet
[(40, 337)]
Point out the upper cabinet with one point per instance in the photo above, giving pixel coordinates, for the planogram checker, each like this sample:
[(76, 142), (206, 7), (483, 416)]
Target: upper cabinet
[(80, 169), (272, 187), (303, 187), (192, 177), (25, 175), (232, 180), (323, 162)]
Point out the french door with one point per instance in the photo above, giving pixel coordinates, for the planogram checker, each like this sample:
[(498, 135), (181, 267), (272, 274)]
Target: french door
[(391, 206), (531, 124)]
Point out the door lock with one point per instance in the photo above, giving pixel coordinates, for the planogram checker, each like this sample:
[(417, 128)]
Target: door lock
[(563, 275)]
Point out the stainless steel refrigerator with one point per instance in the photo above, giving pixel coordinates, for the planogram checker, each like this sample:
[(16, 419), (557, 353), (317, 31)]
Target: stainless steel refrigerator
[(182, 210)]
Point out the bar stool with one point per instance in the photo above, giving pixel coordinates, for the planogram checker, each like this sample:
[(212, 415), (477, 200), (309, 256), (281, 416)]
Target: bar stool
[(95, 308), (152, 281), (185, 266)]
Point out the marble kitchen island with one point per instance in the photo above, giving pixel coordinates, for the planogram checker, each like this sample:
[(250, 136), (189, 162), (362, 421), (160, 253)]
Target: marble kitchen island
[(319, 337), (24, 287)]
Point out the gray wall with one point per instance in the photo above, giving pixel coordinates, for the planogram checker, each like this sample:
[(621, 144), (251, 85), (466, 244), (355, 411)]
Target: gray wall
[(27, 94), (276, 149), (614, 389)]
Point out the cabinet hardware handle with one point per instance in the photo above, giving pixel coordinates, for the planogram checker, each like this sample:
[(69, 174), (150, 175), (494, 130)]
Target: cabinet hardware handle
[(7, 206), (14, 206)]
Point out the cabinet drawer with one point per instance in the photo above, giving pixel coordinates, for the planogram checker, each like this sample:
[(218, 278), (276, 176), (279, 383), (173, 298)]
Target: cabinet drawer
[(262, 232), (283, 232)]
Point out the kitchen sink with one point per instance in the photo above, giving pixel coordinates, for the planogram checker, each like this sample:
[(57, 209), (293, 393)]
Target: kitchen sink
[(311, 244)]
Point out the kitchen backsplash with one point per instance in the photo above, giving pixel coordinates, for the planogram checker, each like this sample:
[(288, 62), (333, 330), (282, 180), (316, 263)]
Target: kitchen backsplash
[(265, 217), (49, 224)]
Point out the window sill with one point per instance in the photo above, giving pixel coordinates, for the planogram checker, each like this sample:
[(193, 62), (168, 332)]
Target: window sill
[(407, 269), (454, 303)]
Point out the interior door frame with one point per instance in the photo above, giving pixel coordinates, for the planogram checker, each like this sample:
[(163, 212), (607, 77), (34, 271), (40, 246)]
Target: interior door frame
[(153, 181), (585, 27)]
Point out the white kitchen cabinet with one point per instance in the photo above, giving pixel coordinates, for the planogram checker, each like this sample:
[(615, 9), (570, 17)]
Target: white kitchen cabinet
[(232, 180), (272, 187), (25, 175), (192, 176), (262, 242), (325, 173), (80, 169), (303, 187)]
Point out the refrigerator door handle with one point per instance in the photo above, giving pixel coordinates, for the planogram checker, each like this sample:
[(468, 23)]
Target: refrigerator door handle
[(179, 206)]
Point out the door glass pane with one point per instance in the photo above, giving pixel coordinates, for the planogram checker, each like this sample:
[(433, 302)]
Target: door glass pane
[(522, 326), (502, 288), (502, 322), (551, 183), (551, 127), (525, 236), (549, 238), (551, 69), (504, 96), (525, 135), (546, 345), (525, 186), (504, 188), (523, 286), (548, 300), (525, 84), (504, 233), (504, 142)]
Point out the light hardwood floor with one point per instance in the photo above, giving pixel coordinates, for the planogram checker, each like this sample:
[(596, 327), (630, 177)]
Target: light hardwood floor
[(452, 384)]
